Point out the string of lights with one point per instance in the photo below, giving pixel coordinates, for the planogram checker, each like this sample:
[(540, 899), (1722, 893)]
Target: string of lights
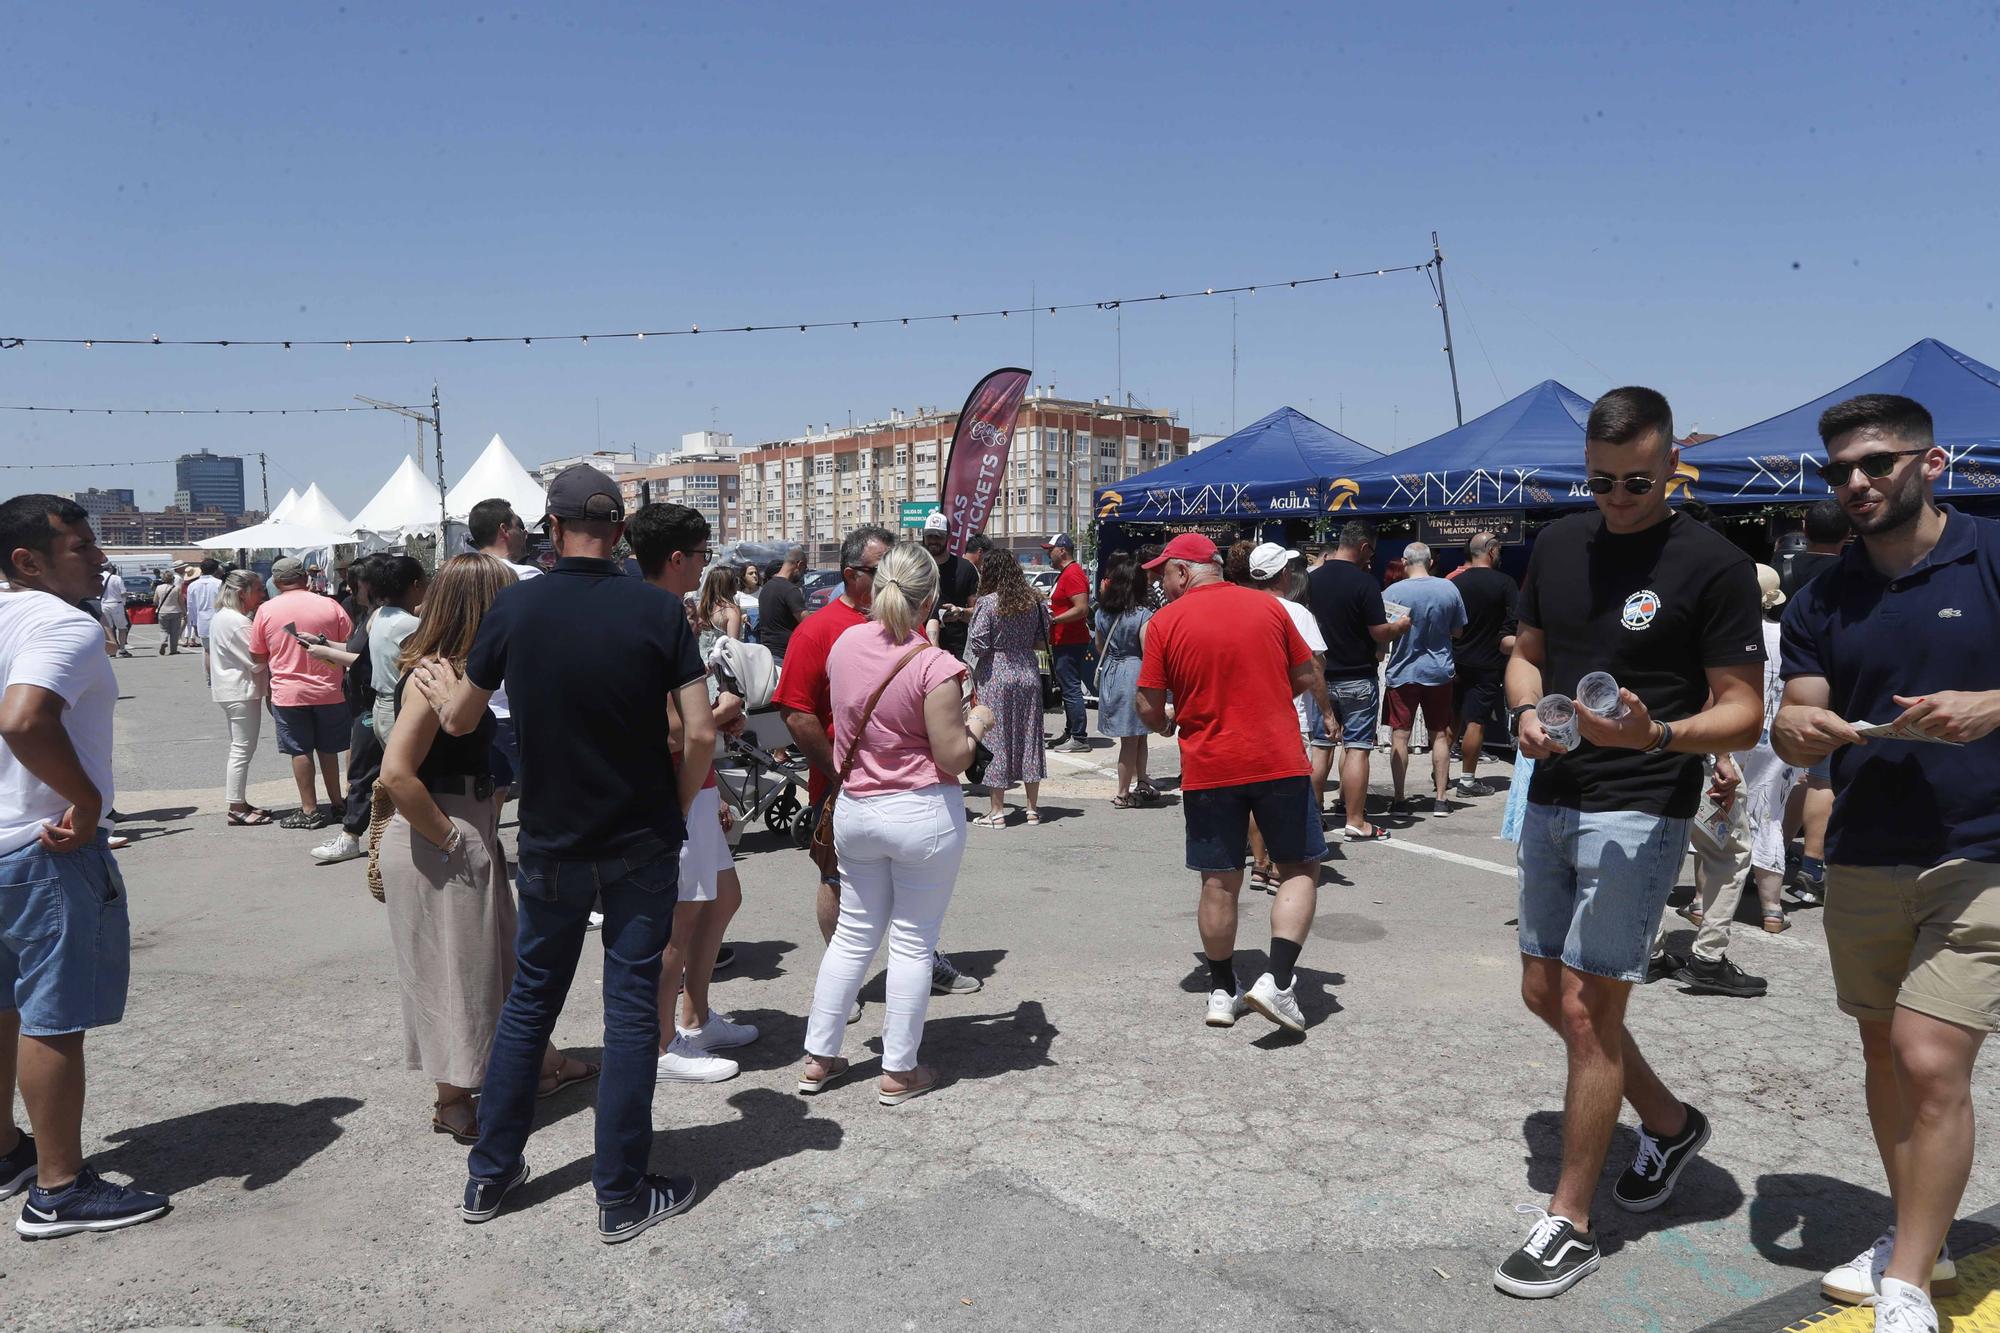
[(639, 335), (190, 411)]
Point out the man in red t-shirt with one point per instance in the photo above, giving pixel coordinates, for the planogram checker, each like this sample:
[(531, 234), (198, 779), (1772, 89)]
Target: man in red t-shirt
[(1069, 640), (1232, 660), (805, 699)]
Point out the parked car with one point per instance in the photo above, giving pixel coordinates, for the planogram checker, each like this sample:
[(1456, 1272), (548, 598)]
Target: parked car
[(139, 589), (820, 587), (1041, 578)]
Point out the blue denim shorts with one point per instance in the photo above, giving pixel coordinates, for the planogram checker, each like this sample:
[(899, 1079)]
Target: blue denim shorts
[(315, 729), (65, 938), (1357, 705), (1218, 823), (1593, 886), (1312, 724)]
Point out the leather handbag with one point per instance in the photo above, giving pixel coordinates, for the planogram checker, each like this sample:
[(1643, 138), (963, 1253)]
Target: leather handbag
[(823, 854)]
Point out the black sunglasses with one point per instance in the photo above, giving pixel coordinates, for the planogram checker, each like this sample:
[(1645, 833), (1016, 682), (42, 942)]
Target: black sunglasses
[(1601, 485), (1877, 466)]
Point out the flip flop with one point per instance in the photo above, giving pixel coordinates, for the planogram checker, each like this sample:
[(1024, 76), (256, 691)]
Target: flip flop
[(836, 1070), (590, 1071), (1377, 834)]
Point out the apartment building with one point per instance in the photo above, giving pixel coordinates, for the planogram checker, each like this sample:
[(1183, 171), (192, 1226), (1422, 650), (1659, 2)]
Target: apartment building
[(708, 483), (169, 527), (815, 487)]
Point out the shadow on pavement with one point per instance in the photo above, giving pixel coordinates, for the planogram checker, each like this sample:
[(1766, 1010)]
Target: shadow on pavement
[(973, 1046), (979, 963), (1706, 1192), (1834, 1221), (770, 1127), (262, 1142), (161, 816), (757, 960)]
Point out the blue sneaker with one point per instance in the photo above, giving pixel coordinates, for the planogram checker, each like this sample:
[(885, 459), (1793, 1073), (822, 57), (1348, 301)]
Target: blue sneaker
[(658, 1199), (484, 1197), (88, 1203), (17, 1168)]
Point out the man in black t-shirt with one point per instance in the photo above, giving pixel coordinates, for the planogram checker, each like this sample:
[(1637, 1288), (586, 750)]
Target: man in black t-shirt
[(1827, 531), (1480, 653), (1671, 610), (592, 661), (1346, 600), (781, 604), (958, 585)]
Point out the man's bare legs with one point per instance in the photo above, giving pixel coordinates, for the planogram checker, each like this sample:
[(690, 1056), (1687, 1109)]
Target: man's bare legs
[(302, 775), (1928, 1151), (1470, 739), (1605, 1066), (329, 769), (51, 1074), (1322, 765), (1354, 786), (10, 1037), (1399, 759)]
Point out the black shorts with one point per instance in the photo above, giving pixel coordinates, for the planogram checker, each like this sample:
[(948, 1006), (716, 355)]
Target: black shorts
[(1478, 693), (1218, 823)]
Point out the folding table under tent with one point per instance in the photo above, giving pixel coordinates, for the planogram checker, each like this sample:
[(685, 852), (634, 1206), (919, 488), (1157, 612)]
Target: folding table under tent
[(1773, 461), (1282, 466)]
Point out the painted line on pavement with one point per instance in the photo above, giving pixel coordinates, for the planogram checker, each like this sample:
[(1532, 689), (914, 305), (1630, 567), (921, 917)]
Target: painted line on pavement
[(1471, 861)]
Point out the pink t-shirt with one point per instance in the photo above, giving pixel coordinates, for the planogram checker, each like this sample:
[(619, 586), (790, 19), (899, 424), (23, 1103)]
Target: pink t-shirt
[(896, 754), (297, 679)]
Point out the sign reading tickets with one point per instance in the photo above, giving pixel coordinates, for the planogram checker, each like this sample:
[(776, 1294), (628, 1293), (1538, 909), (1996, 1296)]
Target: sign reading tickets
[(1442, 531), (979, 453), (913, 513)]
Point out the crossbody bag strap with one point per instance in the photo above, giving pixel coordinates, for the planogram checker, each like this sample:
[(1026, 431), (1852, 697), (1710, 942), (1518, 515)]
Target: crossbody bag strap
[(854, 750)]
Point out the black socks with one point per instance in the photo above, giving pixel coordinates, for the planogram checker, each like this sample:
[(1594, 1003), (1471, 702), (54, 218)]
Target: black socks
[(1284, 957), (1222, 974)]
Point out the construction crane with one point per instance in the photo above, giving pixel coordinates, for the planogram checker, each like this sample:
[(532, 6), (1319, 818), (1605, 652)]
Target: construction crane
[(437, 439)]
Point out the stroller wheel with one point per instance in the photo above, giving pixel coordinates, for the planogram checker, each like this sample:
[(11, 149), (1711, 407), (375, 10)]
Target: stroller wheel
[(778, 816), (802, 829)]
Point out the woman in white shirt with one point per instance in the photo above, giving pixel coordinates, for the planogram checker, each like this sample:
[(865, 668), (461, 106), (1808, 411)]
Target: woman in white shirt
[(240, 681)]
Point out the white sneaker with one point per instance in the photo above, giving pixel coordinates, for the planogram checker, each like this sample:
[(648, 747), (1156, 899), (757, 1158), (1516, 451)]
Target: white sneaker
[(1224, 1009), (1280, 1006), (1904, 1308), (684, 1062), (595, 922), (342, 846), (1859, 1280), (719, 1033)]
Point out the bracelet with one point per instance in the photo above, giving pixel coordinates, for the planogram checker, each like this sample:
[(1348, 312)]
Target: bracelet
[(454, 842), (1666, 739)]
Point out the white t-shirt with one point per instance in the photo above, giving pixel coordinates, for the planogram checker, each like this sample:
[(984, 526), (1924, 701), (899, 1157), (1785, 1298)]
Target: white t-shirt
[(235, 674), (1307, 625), (497, 705), (387, 629), (201, 595), (113, 600), (47, 642)]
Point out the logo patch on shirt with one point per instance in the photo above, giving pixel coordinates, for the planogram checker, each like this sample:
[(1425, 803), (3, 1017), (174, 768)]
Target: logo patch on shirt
[(1640, 608), (1949, 613)]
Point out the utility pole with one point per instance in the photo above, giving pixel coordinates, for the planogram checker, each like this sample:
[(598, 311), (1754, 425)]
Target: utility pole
[(1232, 365), (437, 436), (264, 476), (1451, 359)]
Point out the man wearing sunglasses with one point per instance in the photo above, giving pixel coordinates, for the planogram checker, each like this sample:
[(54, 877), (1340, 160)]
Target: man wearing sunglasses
[(1671, 609), (1900, 630)]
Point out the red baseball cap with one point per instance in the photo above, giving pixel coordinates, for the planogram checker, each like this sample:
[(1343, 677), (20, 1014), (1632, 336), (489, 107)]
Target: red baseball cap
[(1188, 546)]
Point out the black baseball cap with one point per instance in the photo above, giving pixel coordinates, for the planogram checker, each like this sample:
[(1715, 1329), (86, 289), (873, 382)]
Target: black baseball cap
[(580, 491)]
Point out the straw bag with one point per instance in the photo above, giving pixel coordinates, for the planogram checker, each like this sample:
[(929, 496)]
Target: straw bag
[(380, 808), (822, 851)]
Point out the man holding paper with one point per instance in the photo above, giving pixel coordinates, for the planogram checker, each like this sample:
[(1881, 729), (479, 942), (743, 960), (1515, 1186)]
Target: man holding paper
[(1898, 635)]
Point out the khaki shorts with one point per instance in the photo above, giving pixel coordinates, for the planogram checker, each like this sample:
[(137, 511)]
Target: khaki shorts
[(1923, 939)]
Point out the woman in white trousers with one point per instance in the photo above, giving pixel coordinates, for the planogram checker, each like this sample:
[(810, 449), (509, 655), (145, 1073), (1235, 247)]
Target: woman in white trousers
[(899, 821), (240, 681)]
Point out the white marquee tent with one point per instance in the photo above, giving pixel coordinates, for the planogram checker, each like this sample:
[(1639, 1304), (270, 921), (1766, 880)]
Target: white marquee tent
[(284, 506), (314, 510), (497, 474), (277, 534), (407, 502)]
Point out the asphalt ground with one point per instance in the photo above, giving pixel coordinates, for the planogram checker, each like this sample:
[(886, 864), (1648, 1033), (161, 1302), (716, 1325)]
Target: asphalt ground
[(1096, 1156)]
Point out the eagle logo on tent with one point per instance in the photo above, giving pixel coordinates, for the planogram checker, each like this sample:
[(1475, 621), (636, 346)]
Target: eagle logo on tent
[(1683, 480), (1112, 499), (1343, 493)]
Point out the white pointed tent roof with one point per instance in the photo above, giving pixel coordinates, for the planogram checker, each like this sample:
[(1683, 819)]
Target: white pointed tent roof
[(277, 534), (407, 501), (284, 506), (313, 510), (497, 474)]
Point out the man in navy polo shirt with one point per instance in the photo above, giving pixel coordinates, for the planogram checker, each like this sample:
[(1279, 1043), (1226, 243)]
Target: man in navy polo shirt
[(591, 660), (1900, 631)]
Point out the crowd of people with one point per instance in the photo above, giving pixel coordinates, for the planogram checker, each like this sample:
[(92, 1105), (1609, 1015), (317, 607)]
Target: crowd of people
[(1664, 693)]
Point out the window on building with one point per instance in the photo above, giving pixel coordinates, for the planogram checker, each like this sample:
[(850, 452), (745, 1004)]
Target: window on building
[(1048, 497)]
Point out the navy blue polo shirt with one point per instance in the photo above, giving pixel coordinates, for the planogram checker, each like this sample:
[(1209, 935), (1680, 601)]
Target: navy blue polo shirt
[(1931, 629), (590, 658)]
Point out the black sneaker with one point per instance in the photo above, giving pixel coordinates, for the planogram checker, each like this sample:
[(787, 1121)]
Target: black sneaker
[(1649, 1181), (1474, 787), (1554, 1258), (1720, 977), (725, 958), (17, 1168), (88, 1203), (484, 1197), (658, 1199), (1664, 964)]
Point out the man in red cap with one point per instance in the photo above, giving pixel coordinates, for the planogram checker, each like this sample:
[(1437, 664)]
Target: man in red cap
[(1233, 661)]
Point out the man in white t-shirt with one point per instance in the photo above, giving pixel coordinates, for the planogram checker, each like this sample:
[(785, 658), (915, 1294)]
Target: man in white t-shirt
[(1280, 572), (65, 939), (116, 618), (495, 529), (201, 595)]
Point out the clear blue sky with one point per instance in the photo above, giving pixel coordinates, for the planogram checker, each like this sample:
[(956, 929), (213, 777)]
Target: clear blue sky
[(1743, 204)]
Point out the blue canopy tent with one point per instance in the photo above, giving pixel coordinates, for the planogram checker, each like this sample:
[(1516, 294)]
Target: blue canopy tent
[(1526, 453), (1279, 466), (1773, 461)]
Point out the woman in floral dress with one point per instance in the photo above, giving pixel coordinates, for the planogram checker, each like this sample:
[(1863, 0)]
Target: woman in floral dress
[(1010, 624)]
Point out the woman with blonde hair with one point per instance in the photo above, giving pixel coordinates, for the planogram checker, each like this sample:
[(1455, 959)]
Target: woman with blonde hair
[(717, 615), (901, 738), (240, 681), (444, 878), (1010, 624)]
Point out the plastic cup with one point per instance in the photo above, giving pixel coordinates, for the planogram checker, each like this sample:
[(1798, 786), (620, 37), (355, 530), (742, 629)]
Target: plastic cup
[(1599, 693), (1558, 718)]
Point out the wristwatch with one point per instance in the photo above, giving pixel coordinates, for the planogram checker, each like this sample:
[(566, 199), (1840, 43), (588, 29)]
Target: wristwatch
[(1514, 713)]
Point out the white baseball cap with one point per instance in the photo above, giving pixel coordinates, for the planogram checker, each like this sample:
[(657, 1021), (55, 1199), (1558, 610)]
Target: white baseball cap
[(1270, 559), (937, 522)]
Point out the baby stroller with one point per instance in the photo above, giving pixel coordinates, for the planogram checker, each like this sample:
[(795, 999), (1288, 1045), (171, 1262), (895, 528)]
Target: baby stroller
[(752, 780)]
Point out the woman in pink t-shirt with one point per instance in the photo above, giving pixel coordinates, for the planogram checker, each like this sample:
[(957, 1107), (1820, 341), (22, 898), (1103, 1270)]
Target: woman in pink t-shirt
[(899, 823)]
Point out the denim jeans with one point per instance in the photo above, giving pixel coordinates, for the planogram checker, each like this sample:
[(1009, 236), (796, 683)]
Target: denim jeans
[(1068, 661), (639, 890)]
